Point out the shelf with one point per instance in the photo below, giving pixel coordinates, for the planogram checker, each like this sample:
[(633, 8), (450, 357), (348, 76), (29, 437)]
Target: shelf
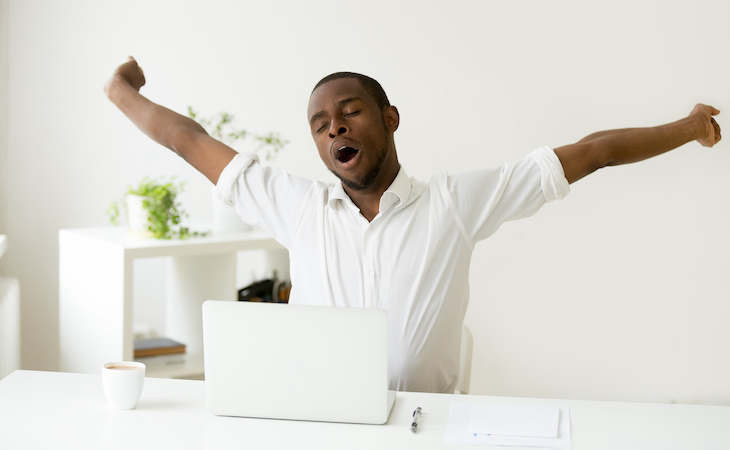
[(136, 247), (191, 368), (96, 284)]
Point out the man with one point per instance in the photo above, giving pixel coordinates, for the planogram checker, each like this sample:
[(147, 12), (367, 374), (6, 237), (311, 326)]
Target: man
[(380, 239)]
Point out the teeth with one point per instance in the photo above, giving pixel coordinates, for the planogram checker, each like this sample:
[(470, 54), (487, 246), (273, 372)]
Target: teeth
[(346, 153)]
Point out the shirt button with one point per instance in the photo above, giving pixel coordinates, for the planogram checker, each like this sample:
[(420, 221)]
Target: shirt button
[(372, 274)]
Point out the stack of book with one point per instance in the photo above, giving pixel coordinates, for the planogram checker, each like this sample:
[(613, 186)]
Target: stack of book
[(159, 351)]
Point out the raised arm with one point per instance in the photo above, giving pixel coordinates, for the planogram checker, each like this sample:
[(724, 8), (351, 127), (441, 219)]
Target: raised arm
[(179, 133), (614, 147)]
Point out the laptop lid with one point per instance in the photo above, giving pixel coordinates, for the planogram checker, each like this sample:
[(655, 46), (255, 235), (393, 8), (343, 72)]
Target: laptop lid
[(282, 361)]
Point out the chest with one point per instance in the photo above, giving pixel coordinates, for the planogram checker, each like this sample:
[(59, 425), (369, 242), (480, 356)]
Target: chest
[(340, 254)]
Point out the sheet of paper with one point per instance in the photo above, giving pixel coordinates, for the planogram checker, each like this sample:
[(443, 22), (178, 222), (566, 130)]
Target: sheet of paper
[(459, 429), (516, 420)]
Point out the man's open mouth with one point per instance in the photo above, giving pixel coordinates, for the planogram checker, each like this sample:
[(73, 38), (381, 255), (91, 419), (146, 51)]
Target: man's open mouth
[(345, 153)]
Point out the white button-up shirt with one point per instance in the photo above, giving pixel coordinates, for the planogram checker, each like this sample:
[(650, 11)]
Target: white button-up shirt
[(413, 258)]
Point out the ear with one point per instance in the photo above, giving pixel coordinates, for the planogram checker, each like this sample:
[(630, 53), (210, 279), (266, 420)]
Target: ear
[(392, 118)]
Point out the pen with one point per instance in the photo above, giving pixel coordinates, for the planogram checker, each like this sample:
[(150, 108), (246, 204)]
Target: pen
[(416, 418)]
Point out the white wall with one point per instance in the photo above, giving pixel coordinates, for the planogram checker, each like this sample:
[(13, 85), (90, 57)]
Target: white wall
[(618, 292), (3, 115)]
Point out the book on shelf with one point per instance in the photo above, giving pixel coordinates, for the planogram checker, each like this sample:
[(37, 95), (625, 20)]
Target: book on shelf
[(169, 360), (156, 347)]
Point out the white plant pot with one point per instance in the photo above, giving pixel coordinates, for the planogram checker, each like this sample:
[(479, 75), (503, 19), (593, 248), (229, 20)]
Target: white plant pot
[(137, 217), (225, 218)]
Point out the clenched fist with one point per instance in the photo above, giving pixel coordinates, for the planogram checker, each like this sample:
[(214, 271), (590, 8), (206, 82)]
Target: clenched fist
[(705, 113), (129, 72)]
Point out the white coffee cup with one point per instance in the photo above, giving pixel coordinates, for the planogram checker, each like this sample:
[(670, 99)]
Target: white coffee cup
[(123, 382)]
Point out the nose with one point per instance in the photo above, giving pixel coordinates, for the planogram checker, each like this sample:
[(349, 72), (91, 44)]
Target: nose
[(336, 128)]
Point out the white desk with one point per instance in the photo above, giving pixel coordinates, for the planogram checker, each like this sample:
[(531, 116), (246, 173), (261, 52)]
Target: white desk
[(63, 410), (96, 284)]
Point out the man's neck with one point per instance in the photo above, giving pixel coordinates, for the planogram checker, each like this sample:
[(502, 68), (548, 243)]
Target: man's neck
[(368, 200)]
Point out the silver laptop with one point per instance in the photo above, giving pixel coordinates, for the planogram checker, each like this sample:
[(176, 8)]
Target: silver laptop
[(280, 361)]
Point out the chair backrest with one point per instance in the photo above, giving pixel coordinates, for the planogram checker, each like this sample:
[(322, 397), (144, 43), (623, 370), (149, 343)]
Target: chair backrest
[(467, 343), (9, 320)]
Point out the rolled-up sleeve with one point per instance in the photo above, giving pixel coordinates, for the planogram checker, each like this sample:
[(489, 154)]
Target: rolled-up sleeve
[(552, 177), (264, 196), (225, 189), (485, 199)]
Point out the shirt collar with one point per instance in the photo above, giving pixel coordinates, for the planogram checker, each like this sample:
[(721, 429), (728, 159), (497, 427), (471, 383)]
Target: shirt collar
[(396, 195), (398, 192)]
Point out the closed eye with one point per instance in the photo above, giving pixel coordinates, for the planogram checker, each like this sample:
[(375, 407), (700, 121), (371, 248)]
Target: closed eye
[(352, 113)]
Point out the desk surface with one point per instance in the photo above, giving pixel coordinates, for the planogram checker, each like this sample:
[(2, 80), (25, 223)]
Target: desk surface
[(63, 410)]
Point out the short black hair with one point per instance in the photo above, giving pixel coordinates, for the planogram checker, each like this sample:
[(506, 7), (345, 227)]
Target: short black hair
[(369, 84)]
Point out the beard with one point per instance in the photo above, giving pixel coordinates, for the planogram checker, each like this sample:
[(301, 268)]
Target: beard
[(367, 180)]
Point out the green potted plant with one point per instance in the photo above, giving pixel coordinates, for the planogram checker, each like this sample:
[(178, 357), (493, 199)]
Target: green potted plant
[(266, 146), (222, 127), (153, 210)]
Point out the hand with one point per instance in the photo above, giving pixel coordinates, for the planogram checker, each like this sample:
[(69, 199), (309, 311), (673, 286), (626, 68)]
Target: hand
[(712, 129), (130, 73)]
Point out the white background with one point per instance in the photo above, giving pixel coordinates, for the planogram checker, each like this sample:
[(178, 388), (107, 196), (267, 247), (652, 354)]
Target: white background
[(619, 292)]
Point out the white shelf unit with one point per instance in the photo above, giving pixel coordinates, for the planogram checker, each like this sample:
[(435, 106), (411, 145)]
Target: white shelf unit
[(96, 280)]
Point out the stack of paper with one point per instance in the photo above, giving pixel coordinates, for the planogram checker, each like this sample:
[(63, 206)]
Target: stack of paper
[(509, 425)]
